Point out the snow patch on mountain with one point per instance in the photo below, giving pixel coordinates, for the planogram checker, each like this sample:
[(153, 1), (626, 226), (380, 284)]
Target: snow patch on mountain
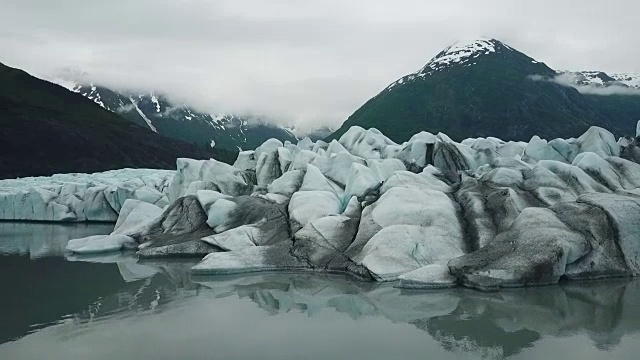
[(461, 53), (599, 82), (629, 79), (154, 100), (602, 79), (143, 116), (588, 78), (68, 84), (90, 91), (160, 114)]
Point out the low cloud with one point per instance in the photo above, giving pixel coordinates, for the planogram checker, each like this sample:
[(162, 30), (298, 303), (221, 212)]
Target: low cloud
[(569, 80), (302, 63), (125, 108), (170, 110)]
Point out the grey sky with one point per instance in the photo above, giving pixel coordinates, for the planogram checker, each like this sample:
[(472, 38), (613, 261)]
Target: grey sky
[(304, 62)]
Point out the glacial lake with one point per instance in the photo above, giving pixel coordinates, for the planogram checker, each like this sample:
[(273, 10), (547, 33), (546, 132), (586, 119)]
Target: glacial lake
[(57, 306)]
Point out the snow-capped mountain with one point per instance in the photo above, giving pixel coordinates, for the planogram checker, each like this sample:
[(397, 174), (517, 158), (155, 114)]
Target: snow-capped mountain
[(47, 129), (602, 79), (462, 53), (629, 79), (484, 87), (161, 115)]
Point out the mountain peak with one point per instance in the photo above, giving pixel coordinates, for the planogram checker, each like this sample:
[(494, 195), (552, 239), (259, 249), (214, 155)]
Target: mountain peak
[(462, 53), (483, 86)]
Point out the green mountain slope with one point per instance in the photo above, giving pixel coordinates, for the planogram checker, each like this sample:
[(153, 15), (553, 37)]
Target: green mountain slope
[(46, 129), (483, 88)]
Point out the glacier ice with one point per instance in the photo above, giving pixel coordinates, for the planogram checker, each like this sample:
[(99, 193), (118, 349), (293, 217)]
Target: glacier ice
[(82, 197), (430, 276), (246, 160), (135, 216), (101, 243), (249, 259), (177, 231), (430, 212), (234, 239), (417, 227)]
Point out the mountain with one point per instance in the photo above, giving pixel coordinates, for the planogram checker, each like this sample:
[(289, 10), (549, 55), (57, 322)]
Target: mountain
[(631, 80), (600, 79), (46, 129), (159, 114), (485, 88), (616, 96)]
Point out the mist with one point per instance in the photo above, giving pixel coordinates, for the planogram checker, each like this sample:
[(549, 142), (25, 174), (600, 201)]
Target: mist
[(301, 63), (568, 80)]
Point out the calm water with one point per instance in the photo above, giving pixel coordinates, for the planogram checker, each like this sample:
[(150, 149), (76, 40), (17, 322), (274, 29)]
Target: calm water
[(54, 306)]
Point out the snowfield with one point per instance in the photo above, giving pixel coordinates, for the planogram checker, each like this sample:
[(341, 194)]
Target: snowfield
[(431, 212)]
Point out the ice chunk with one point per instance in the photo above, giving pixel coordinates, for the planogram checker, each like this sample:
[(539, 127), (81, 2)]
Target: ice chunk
[(270, 146), (310, 205), (285, 158), (288, 183), (134, 216), (314, 180), (361, 182), (398, 249), (101, 243), (432, 276), (219, 214), (268, 168), (233, 239), (249, 259), (246, 160), (406, 179), (302, 159), (225, 178), (209, 197), (534, 251), (177, 232), (367, 144), (336, 167), (624, 214)]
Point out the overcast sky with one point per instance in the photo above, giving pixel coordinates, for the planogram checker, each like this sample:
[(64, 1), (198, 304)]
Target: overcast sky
[(303, 62)]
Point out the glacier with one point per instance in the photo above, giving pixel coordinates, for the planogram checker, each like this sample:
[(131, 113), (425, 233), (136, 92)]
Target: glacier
[(431, 212), (82, 197)]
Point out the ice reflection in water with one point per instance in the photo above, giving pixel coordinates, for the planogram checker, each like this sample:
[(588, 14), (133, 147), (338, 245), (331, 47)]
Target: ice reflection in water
[(65, 301)]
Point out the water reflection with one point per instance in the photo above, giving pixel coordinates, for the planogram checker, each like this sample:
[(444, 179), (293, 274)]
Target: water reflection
[(38, 240), (493, 323), (79, 292)]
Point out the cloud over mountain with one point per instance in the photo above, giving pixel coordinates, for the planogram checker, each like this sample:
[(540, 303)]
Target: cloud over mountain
[(569, 80), (306, 63)]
